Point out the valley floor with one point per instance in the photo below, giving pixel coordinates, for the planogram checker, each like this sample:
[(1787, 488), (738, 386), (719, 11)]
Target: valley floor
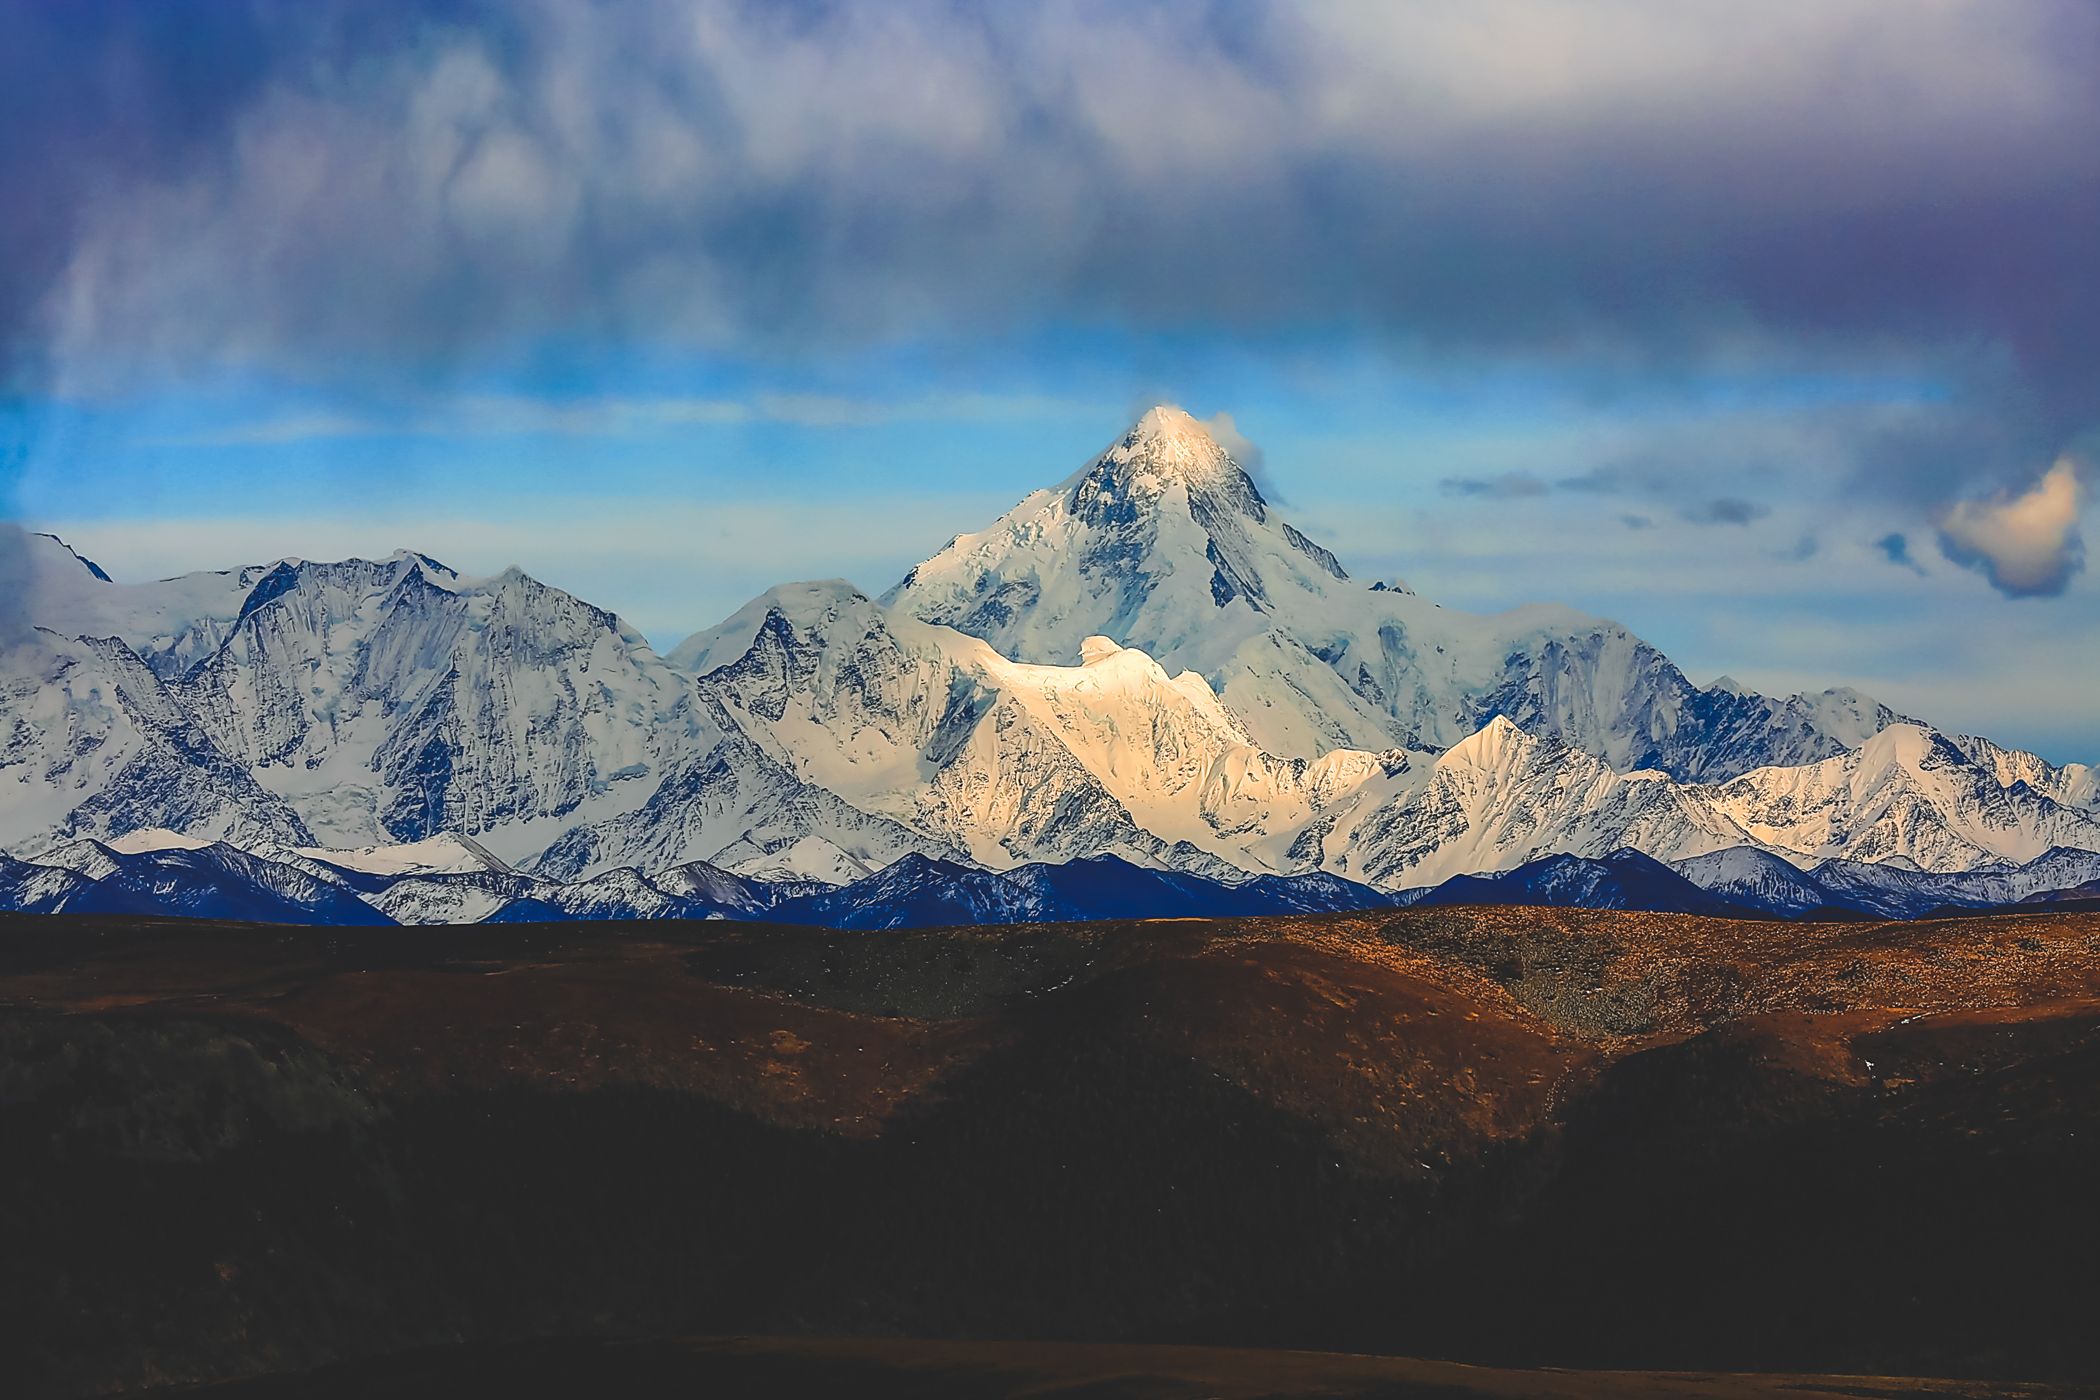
[(1518, 1137)]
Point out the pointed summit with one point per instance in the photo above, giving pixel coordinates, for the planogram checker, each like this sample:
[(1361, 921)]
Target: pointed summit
[(1160, 540), (1164, 449), (1166, 422), (1496, 744), (1168, 443)]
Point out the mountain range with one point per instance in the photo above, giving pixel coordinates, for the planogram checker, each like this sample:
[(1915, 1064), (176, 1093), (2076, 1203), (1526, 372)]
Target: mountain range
[(1144, 665)]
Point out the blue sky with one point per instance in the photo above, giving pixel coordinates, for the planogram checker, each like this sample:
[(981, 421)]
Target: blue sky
[(1677, 313)]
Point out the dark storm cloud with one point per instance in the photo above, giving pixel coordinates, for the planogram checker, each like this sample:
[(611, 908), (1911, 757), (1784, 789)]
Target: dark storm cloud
[(65, 79), (1628, 188)]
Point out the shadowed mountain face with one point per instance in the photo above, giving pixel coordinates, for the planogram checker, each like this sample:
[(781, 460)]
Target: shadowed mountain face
[(446, 880), (1621, 880), (1505, 1135)]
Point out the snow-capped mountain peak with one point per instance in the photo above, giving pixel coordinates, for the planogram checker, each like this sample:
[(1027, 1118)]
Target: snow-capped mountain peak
[(801, 607), (1163, 544), (1495, 746), (1158, 541), (2072, 784), (1165, 446)]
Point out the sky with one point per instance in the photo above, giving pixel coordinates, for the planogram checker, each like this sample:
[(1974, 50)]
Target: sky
[(1770, 331)]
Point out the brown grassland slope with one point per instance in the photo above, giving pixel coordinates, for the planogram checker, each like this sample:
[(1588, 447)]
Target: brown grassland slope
[(1514, 1137)]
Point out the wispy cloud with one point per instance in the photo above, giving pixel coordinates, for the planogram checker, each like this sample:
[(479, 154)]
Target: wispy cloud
[(1610, 481), (1507, 486), (280, 431), (1800, 551), (494, 415), (1725, 510)]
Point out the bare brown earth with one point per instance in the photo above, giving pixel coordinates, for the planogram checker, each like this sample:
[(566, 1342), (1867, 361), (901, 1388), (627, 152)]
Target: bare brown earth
[(1517, 1137)]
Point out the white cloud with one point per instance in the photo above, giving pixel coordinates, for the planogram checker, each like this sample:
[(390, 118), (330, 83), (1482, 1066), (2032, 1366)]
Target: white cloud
[(1243, 449), (2028, 545), (279, 431)]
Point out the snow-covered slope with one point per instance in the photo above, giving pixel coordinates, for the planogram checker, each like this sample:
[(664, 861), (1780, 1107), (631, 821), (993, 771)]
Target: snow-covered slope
[(1164, 544), (29, 888), (1503, 797), (1108, 887), (916, 893), (612, 894), (446, 853), (2072, 785), (730, 802), (379, 703), (92, 744), (1757, 879), (154, 838), (1007, 761), (1895, 890), (1908, 792), (171, 624), (507, 896), (86, 857), (1014, 762), (710, 884), (458, 897), (391, 700)]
